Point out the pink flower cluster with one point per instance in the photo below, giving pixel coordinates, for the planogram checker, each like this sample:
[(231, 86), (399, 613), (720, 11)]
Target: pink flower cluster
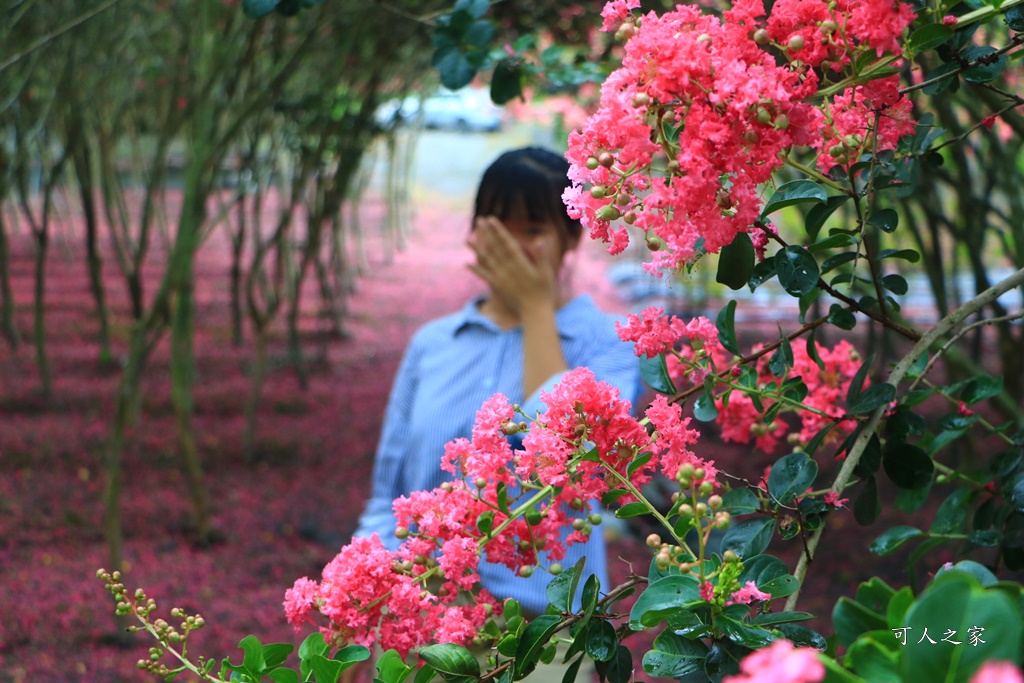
[(699, 116), (780, 662), (826, 391), (998, 672), (654, 333), (581, 445)]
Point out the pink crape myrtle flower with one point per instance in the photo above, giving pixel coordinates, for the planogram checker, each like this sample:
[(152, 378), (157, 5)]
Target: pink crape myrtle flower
[(673, 437), (299, 601), (832, 498), (998, 672), (615, 12), (735, 111), (651, 331), (747, 594), (780, 662)]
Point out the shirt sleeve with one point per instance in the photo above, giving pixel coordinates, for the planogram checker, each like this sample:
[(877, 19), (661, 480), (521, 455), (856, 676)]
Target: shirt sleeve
[(392, 453)]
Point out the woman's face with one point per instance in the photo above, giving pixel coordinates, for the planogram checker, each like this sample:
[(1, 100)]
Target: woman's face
[(542, 241)]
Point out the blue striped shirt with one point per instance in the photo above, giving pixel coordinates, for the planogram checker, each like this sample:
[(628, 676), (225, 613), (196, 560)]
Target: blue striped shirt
[(451, 367)]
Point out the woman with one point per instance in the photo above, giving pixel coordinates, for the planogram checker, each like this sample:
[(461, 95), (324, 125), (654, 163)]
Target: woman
[(518, 340)]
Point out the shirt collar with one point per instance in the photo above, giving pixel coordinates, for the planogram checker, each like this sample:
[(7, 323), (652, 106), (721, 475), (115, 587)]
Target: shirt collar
[(566, 318)]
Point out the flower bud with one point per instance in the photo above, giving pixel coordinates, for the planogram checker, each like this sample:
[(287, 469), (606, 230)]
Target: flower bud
[(623, 199), (578, 524), (555, 569), (715, 502), (598, 191), (763, 115), (626, 31), (654, 243), (480, 482), (629, 217), (576, 503), (828, 27), (533, 517), (401, 533), (701, 509), (525, 545), (761, 37), (641, 99), (730, 556), (608, 213), (508, 428), (686, 510), (526, 571), (781, 122), (673, 166), (596, 519), (704, 38), (750, 136), (592, 163), (653, 541), (795, 43), (606, 159), (699, 473), (706, 488), (722, 520)]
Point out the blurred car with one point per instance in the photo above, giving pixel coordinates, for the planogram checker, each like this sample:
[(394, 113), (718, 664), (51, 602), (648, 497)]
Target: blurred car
[(469, 109)]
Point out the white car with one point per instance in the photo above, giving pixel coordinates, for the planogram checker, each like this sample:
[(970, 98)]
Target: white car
[(469, 109)]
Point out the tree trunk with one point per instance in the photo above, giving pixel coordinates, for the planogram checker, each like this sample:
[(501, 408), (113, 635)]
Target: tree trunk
[(42, 240), (7, 326), (83, 171)]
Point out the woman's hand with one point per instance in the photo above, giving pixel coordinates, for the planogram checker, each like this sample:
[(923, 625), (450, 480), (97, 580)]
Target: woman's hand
[(520, 270)]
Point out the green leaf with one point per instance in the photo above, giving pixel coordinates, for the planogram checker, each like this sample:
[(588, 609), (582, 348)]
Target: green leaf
[(736, 262), (781, 587), (452, 662), (485, 522), (980, 572), (782, 359), (872, 398), (893, 539), (896, 284), (885, 220), (655, 373), (674, 656), (475, 8), (748, 537), (314, 644), (928, 37), (254, 9), (871, 660), (850, 619), (742, 634), (818, 438), (252, 662), (762, 569), (820, 213), (1014, 18), (453, 67), (983, 73), (726, 324), (704, 408), (561, 591), (857, 383), (790, 477), (740, 502), (951, 516), (905, 254), (867, 507), (775, 618), (328, 671), (980, 388), (531, 643), (836, 260), (276, 654), (662, 598), (601, 640), (507, 81), (619, 669), (634, 509), (908, 466), (282, 675), (612, 495), (795, 192), (390, 668), (801, 636), (957, 601), (797, 270), (841, 318), (840, 239), (763, 272)]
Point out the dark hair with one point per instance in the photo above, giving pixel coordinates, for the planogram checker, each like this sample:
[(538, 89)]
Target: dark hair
[(527, 183)]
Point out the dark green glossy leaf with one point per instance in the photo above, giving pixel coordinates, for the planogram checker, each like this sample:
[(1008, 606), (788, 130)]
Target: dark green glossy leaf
[(619, 669), (841, 318), (634, 509), (928, 37), (894, 538), (507, 81), (795, 192), (820, 213), (748, 537), (328, 671), (674, 656), (850, 619), (797, 270), (790, 476), (655, 373), (951, 516), (454, 663), (836, 260), (908, 466), (989, 66), (1014, 18), (704, 408), (897, 284), (531, 643), (561, 591), (872, 661), (867, 506), (601, 641), (818, 438), (726, 324), (254, 9), (782, 359), (857, 383), (980, 388), (781, 587), (736, 262), (474, 8), (874, 397), (988, 538), (282, 675), (661, 598), (905, 254), (743, 634), (885, 220), (453, 67), (763, 272), (801, 636), (761, 569), (740, 502), (775, 618)]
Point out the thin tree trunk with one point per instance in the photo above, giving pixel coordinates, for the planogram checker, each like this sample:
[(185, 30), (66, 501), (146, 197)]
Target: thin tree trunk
[(83, 171), (7, 326)]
